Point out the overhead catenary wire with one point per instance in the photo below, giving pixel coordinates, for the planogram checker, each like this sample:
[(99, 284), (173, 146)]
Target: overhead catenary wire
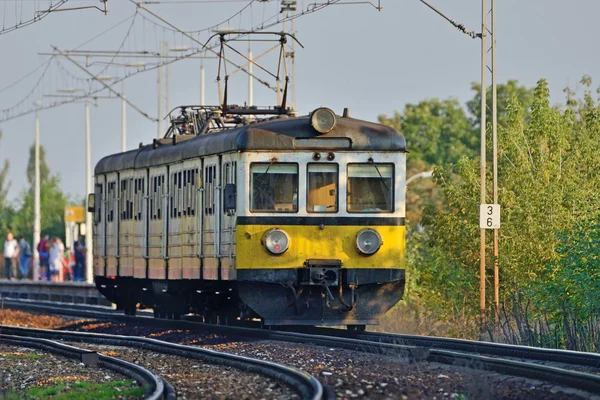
[(37, 16), (12, 112)]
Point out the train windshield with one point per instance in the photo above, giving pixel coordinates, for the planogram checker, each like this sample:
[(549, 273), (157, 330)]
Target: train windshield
[(370, 187), (322, 188), (274, 187)]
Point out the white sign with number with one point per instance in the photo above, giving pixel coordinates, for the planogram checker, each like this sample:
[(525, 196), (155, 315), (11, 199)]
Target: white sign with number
[(489, 216)]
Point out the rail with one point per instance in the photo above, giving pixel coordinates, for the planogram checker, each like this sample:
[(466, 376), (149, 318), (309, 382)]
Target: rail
[(304, 383), (472, 354), (155, 387)]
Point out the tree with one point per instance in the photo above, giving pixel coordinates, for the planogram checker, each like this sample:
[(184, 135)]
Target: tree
[(4, 182), (505, 92), (6, 211), (438, 131), (52, 206), (549, 179), (52, 202), (44, 170)]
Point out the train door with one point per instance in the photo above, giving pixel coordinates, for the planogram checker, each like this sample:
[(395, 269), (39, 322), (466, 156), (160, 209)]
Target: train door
[(189, 220), (112, 224), (174, 254), (157, 220), (126, 223), (210, 224), (100, 225), (227, 225), (140, 211)]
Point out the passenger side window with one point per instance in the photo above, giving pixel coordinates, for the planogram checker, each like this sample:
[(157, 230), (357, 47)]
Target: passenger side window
[(210, 174), (110, 202), (98, 206)]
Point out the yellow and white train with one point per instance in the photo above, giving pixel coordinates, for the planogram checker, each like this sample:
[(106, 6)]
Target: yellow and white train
[(255, 213)]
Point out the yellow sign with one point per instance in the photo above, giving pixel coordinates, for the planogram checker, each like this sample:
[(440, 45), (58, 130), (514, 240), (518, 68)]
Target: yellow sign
[(74, 214)]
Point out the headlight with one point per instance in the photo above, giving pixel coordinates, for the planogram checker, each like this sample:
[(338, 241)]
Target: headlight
[(368, 242), (323, 120), (276, 241)]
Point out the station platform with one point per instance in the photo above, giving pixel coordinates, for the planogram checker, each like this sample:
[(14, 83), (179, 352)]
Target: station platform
[(66, 292)]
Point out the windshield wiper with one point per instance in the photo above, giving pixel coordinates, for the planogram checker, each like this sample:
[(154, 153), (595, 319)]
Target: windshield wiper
[(380, 176)]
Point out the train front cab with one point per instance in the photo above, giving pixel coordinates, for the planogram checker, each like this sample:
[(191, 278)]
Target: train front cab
[(321, 236)]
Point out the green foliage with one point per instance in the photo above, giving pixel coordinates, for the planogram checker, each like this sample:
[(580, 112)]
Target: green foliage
[(52, 205), (4, 182), (18, 218), (504, 94), (439, 131), (549, 182), (573, 281), (44, 169), (82, 390)]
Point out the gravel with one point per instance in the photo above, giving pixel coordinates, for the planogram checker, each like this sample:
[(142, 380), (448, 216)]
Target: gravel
[(191, 378), (195, 379), (353, 374), (22, 368)]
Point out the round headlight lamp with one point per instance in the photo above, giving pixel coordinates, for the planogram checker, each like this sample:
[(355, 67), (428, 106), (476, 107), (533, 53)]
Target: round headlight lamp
[(323, 120), (276, 241), (368, 242)]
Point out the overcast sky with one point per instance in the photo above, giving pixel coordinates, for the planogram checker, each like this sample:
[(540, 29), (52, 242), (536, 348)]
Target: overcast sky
[(354, 56)]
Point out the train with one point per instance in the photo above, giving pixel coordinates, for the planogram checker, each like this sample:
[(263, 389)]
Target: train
[(244, 213)]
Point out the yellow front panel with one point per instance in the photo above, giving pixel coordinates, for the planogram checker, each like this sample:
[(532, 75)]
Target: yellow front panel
[(332, 242)]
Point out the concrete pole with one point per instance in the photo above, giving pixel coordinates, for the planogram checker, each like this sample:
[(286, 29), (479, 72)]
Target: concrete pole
[(202, 86), (123, 119), (36, 199), (89, 271), (495, 156), (159, 92), (294, 64), (483, 159), (167, 88), (250, 79)]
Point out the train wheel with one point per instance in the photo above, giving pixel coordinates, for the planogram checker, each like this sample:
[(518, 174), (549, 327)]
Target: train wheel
[(210, 318), (130, 309)]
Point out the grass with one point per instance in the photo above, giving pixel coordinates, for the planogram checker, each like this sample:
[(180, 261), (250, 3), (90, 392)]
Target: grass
[(81, 391), (27, 356)]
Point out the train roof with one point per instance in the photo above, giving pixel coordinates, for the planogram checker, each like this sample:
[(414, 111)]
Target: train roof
[(274, 134)]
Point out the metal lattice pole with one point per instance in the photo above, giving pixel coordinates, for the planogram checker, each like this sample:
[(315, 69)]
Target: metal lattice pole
[(495, 155), (483, 158)]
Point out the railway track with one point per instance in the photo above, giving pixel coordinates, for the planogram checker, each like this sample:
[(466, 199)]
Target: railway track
[(522, 361), (155, 386), (303, 383)]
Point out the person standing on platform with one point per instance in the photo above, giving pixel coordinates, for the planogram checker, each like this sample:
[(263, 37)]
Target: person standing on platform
[(11, 251), (80, 250), (56, 253), (25, 252), (43, 248)]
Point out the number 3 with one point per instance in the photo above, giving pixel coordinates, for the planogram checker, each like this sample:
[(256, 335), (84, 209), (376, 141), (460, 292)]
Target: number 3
[(490, 210)]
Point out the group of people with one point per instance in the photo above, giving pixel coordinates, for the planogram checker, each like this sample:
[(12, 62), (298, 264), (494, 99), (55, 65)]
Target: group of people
[(57, 263)]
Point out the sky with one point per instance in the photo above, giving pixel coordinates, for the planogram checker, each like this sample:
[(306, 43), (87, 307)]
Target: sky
[(373, 62)]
